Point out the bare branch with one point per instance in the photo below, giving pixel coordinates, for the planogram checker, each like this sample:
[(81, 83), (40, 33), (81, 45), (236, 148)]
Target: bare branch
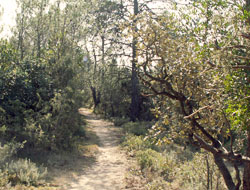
[(222, 153), (190, 116), (242, 67)]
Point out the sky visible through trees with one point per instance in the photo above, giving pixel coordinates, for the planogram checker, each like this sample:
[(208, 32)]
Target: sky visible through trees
[(185, 68)]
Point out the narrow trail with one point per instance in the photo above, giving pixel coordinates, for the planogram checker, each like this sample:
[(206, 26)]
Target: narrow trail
[(108, 172)]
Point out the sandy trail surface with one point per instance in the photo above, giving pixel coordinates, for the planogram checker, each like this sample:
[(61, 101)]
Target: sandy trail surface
[(109, 169)]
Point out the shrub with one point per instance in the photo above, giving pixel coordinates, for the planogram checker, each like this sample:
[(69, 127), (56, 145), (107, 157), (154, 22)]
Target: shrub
[(119, 121), (157, 184), (4, 181), (180, 153), (137, 128), (156, 162), (193, 174), (36, 107), (134, 143), (24, 171), (7, 151)]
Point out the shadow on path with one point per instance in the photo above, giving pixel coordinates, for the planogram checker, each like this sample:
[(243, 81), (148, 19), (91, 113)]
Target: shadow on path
[(107, 171)]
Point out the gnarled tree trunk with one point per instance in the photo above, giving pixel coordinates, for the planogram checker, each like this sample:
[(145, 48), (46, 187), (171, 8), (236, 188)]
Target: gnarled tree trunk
[(246, 175)]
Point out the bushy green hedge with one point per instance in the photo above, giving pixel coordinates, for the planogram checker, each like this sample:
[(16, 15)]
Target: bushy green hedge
[(38, 101)]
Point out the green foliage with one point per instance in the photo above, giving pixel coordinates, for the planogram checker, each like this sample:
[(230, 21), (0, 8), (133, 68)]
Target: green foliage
[(24, 171), (7, 55), (197, 68), (14, 171), (137, 128), (194, 174), (156, 184), (134, 143), (173, 166), (7, 151), (114, 92), (237, 86), (186, 60), (36, 107), (4, 181), (118, 121), (65, 120), (156, 162)]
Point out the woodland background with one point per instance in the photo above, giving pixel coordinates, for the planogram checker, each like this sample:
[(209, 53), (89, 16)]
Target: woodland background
[(176, 79)]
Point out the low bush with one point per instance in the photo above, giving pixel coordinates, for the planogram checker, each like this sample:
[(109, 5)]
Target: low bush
[(4, 181), (137, 128), (156, 184), (194, 174), (170, 165), (156, 162), (134, 143), (18, 171), (7, 151), (119, 121), (24, 171)]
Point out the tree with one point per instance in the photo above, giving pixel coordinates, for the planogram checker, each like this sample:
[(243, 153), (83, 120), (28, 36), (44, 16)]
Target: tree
[(135, 98), (43, 85), (239, 87), (132, 23), (186, 69), (102, 31)]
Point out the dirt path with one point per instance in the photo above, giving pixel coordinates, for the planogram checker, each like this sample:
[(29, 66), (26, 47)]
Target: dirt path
[(108, 171)]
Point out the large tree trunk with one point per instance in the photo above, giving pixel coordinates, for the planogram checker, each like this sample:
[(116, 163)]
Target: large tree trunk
[(135, 98), (225, 172), (246, 175)]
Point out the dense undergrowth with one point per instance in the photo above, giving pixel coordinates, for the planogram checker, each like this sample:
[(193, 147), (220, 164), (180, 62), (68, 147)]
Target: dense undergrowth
[(38, 114), (169, 166), (193, 73)]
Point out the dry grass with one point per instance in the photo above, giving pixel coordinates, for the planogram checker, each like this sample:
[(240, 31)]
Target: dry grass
[(73, 164)]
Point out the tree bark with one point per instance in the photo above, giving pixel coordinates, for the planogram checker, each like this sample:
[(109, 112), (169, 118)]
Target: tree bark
[(246, 175), (96, 96), (135, 102), (225, 172), (208, 173), (20, 40)]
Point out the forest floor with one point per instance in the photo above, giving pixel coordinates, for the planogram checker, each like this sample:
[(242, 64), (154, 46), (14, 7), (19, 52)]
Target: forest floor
[(102, 166)]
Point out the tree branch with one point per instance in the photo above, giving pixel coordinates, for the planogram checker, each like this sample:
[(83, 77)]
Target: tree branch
[(242, 67), (191, 116), (234, 158)]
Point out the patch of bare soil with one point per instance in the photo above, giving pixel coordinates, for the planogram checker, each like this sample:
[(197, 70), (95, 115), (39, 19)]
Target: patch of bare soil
[(105, 169)]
